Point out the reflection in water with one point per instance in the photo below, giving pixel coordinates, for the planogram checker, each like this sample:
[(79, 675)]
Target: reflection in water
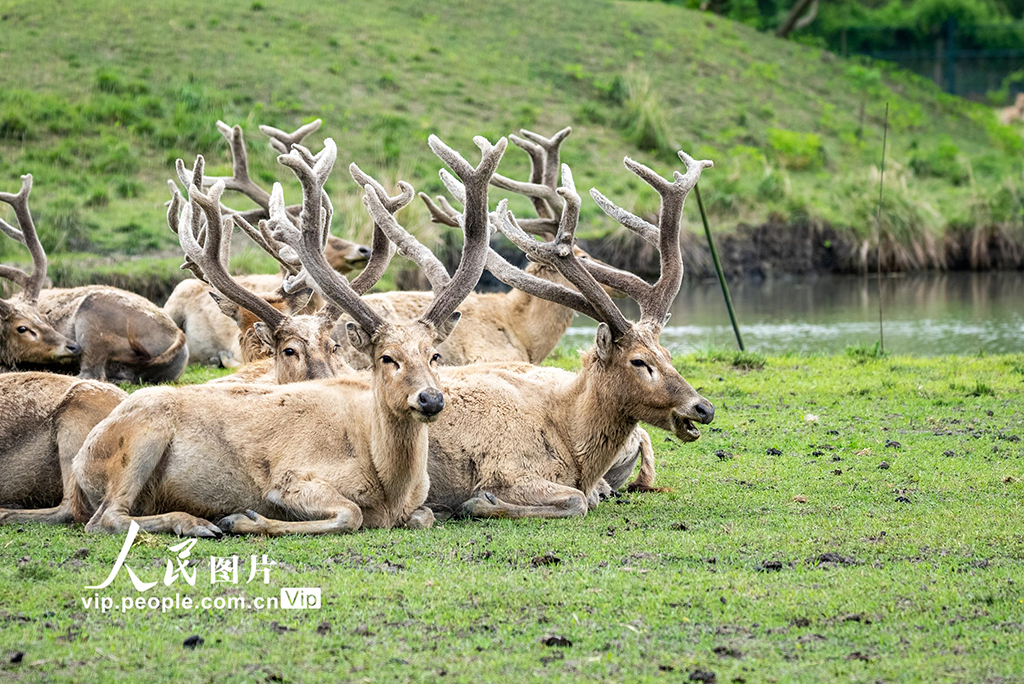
[(931, 314)]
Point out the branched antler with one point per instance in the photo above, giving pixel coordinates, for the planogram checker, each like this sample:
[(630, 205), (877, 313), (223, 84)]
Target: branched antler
[(282, 142), (314, 223), (657, 299), (450, 291), (560, 253), (26, 235), (205, 237)]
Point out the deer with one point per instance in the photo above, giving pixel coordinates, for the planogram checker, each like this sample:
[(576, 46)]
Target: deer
[(44, 419), (534, 324), (321, 457), (212, 338), (107, 332), (301, 347), (545, 452)]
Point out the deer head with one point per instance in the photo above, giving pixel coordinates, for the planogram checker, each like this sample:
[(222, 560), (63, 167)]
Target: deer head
[(24, 335), (403, 353), (302, 345), (627, 360)]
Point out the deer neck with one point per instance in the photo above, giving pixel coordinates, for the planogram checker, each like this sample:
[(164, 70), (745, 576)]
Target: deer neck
[(597, 427), (398, 450), (538, 323)]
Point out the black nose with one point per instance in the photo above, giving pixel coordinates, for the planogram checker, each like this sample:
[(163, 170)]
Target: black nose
[(705, 411), (431, 401), (364, 251), (73, 348)]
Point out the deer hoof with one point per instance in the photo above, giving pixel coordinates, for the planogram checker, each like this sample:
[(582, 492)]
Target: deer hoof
[(249, 522), (190, 526), (480, 505), (226, 359), (420, 519)]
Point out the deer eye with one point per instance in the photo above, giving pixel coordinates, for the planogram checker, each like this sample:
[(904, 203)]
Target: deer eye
[(435, 358), (388, 359), (289, 351), (337, 348), (22, 329), (640, 363)]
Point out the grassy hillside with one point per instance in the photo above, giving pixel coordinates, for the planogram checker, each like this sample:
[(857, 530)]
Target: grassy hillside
[(97, 101)]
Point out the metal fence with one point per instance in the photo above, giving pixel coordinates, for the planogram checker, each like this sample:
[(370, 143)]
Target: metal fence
[(966, 60)]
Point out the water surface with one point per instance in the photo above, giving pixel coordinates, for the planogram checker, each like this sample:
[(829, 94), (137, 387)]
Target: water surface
[(928, 315)]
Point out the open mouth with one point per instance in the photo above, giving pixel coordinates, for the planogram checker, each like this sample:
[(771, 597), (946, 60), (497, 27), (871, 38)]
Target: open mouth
[(684, 429)]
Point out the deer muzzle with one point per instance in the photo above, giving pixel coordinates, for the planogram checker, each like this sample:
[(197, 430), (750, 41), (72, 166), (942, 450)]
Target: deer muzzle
[(427, 404), (701, 411)]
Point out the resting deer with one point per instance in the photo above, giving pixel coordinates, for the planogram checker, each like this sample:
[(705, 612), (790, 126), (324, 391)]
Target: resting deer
[(212, 338), (532, 324), (558, 433), (44, 418), (107, 331), (301, 347), (328, 456)]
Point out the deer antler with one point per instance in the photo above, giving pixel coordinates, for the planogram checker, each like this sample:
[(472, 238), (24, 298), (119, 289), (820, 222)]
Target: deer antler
[(209, 260), (282, 142), (559, 253), (450, 291), (381, 249), (30, 284), (314, 223), (656, 300), (544, 166)]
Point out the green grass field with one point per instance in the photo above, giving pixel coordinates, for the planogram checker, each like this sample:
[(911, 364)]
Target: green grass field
[(786, 552), (99, 116)]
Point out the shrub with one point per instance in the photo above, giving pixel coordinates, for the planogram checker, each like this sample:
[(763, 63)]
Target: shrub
[(941, 161), (796, 151), (643, 121)]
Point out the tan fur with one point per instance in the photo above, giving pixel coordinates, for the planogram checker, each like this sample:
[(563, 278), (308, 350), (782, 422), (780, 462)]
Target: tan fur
[(321, 457), (123, 336), (44, 419), (519, 440), (26, 338), (212, 337)]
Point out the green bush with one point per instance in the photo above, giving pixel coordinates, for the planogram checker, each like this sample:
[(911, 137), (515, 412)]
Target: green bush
[(940, 161), (796, 151), (643, 122)]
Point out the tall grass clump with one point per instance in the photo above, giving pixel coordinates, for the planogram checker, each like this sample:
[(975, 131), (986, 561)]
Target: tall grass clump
[(643, 120)]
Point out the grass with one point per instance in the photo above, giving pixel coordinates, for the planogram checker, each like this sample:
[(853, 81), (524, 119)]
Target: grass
[(845, 518), (100, 118)]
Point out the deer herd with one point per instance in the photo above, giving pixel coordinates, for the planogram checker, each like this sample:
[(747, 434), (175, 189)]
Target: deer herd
[(345, 409)]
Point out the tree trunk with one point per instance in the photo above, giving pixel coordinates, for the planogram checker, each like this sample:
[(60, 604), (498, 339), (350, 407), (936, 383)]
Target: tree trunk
[(793, 20)]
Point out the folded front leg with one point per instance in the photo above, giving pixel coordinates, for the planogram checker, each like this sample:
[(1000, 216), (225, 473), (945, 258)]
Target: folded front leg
[(528, 497), (314, 506)]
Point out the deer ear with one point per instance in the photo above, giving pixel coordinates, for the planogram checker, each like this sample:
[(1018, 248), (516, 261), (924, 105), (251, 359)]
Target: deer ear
[(442, 331), (299, 300), (264, 334), (358, 337), (665, 322), (226, 306), (604, 341), (5, 310)]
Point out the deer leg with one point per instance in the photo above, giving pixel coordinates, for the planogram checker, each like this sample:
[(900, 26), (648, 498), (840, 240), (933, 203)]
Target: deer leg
[(318, 507), (226, 359), (527, 498), (644, 481), (94, 364), (420, 519), (145, 453)]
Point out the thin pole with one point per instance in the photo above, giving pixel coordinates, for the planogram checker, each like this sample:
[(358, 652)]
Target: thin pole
[(878, 227), (718, 268)]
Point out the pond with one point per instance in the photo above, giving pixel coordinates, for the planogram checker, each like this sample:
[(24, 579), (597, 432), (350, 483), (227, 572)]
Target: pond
[(929, 314)]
